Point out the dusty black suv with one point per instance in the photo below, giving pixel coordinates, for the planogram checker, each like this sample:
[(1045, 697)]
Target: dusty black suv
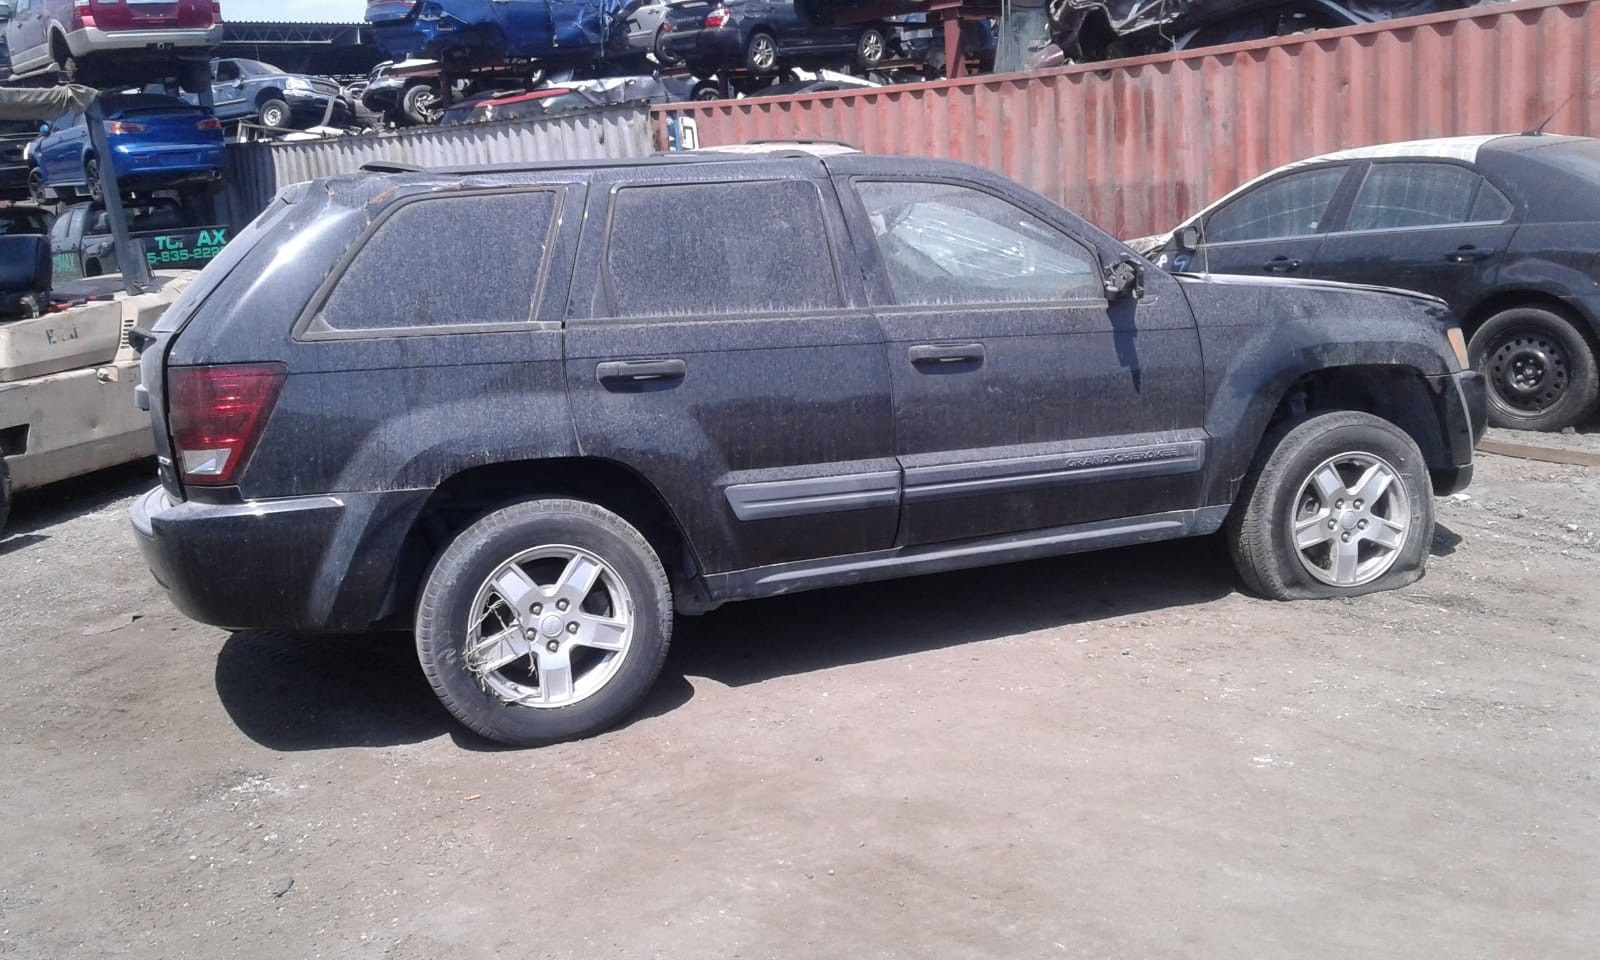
[(550, 432)]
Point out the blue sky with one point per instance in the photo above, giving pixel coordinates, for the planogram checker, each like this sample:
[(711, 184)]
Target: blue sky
[(335, 11)]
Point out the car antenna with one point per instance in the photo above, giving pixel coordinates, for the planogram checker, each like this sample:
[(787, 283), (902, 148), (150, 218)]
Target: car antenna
[(1540, 128)]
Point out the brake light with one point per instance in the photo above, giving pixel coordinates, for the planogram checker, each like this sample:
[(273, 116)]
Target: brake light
[(217, 415), (210, 123), (82, 16), (123, 126), (717, 18)]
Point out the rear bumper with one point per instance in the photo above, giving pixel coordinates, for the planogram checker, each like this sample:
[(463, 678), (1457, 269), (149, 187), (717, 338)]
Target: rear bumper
[(91, 40), (1461, 402), (183, 162), (321, 563)]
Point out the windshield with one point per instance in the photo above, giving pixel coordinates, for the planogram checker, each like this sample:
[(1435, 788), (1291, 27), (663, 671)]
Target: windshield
[(259, 69)]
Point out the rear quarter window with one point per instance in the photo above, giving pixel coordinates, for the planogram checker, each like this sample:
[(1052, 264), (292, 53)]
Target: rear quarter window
[(708, 249), (448, 262)]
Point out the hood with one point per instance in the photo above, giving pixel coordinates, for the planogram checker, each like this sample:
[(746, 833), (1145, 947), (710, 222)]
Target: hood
[(1145, 246)]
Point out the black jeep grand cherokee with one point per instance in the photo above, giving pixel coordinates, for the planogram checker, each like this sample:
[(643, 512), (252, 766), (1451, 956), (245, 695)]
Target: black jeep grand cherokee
[(498, 403)]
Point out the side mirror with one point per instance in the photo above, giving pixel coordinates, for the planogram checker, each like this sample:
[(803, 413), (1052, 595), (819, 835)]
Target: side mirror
[(5, 11), (44, 129), (1187, 239), (1124, 281)]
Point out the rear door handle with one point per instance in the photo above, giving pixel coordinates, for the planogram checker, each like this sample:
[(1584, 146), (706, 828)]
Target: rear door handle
[(640, 371), (1467, 253), (928, 354), (1282, 265)]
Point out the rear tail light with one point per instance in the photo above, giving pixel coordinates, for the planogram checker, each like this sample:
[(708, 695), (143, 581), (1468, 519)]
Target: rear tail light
[(81, 14), (716, 18), (210, 123), (123, 126), (217, 415)]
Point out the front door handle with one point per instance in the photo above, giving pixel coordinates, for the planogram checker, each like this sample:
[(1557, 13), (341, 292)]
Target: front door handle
[(1467, 253), (930, 354), (1282, 265), (640, 371)]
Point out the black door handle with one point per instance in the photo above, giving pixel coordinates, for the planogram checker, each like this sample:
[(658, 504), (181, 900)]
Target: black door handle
[(940, 353), (1467, 253), (640, 371), (1282, 265)]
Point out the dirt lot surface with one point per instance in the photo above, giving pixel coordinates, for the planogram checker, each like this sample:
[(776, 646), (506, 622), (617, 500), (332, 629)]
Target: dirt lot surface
[(1114, 755)]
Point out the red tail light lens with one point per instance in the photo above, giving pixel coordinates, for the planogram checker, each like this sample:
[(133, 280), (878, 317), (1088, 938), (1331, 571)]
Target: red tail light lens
[(211, 123), (217, 415), (716, 18), (123, 126)]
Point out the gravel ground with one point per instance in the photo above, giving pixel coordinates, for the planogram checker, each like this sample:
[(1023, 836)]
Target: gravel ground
[(1108, 755)]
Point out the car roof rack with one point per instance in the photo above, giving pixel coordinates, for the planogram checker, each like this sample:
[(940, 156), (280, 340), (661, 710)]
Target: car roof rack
[(390, 166)]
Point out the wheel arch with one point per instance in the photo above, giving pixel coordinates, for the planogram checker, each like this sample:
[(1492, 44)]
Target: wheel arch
[(469, 494), (270, 93), (1398, 393), (60, 50), (1474, 318)]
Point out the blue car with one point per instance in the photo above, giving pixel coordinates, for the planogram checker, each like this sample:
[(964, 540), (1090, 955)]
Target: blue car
[(156, 141), (484, 33)]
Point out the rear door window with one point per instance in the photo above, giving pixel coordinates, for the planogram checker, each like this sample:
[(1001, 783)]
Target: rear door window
[(710, 249), (1396, 196), (448, 262), (1291, 206)]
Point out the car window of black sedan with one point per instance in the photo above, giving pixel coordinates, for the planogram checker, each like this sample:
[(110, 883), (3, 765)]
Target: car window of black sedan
[(1395, 196), (1291, 206)]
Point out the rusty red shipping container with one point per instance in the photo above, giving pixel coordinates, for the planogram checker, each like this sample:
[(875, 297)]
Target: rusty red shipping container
[(1137, 145)]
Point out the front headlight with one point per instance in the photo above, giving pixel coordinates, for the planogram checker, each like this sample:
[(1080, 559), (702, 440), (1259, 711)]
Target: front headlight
[(297, 83)]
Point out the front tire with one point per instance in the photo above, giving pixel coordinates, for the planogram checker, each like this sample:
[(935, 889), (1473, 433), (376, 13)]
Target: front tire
[(545, 621), (91, 173), (870, 48), (37, 191), (1340, 505), (761, 53), (1541, 369), (422, 105), (275, 114)]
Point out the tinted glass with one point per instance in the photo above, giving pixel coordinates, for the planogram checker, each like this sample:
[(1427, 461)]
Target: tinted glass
[(1491, 205), (1291, 206), (947, 244), (1398, 195), (457, 260), (720, 248)]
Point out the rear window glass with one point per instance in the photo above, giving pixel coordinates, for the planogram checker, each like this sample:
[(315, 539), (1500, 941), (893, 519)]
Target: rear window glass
[(720, 248), (1398, 195), (447, 262)]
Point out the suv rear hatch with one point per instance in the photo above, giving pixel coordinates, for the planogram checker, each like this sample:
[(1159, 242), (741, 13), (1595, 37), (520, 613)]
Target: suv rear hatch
[(149, 14)]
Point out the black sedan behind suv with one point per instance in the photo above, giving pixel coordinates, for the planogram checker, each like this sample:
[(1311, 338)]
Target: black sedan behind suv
[(1504, 228), (898, 366), (763, 35)]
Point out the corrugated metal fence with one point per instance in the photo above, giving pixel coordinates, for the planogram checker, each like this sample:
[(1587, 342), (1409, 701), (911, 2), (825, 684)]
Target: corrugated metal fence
[(257, 171), (1137, 145)]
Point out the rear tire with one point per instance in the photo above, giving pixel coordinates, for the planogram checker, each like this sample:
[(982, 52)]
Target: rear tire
[(505, 573), (1288, 531), (1541, 369)]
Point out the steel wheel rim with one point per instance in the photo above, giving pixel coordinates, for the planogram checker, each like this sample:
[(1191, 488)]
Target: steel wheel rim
[(1530, 372), (273, 118), (426, 106), (1351, 519), (871, 46), (92, 174), (549, 628), (762, 51)]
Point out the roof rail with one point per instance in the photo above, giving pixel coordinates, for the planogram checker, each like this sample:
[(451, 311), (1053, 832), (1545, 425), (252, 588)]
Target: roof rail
[(389, 166)]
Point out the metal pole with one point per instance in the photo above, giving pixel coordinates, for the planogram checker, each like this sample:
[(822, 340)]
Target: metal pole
[(135, 271)]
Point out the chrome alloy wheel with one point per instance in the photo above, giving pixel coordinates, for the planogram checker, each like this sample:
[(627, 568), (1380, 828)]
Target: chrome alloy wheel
[(550, 627), (1351, 519), (763, 52)]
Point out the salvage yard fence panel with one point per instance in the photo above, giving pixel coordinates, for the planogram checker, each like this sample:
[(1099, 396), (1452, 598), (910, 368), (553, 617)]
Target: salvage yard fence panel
[(1137, 145), (257, 171)]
